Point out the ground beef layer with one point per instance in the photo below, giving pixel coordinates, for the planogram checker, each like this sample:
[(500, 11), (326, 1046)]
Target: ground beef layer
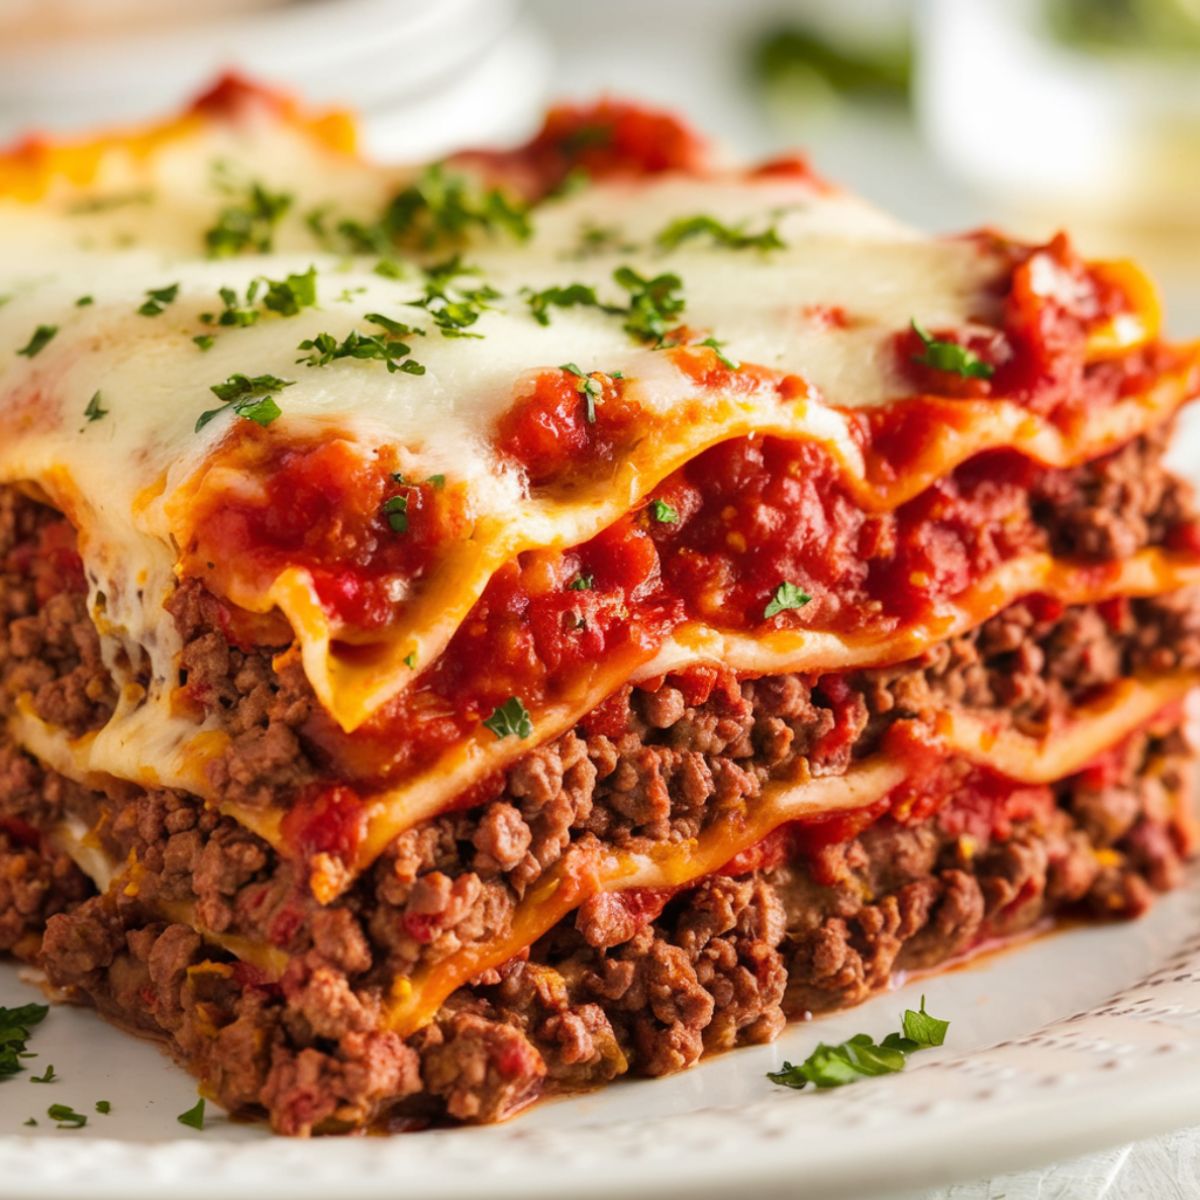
[(659, 765), (726, 962)]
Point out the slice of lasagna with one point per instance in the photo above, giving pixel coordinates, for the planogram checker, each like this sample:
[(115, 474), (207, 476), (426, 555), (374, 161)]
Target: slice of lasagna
[(481, 631)]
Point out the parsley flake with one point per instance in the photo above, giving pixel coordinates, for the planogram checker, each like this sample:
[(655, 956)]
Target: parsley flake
[(250, 397), (730, 237), (717, 348), (589, 387), (66, 1116), (395, 508), (104, 1107), (95, 410), (653, 303), (949, 356), (42, 336), (31, 1121), (581, 583), (324, 348), (510, 718), (570, 296), (861, 1056), (205, 341), (438, 481), (47, 1076), (85, 301), (453, 305), (663, 513), (15, 1024), (248, 222), (157, 300), (194, 1117), (288, 296), (787, 595), (410, 660)]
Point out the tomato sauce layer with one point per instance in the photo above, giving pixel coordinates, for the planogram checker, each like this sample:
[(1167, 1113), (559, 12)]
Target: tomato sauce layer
[(755, 534)]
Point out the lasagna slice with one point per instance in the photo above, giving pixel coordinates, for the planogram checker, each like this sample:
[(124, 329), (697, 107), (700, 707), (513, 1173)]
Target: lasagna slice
[(480, 631)]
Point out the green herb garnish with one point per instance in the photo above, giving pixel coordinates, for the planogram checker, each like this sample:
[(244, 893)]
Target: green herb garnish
[(47, 1076), (653, 303), (288, 296), (251, 397), (589, 387), (582, 583), (731, 237), (157, 300), (204, 340), (66, 1116), (85, 301), (861, 1056), (787, 595), (95, 410), (103, 1107), (949, 356), (663, 513), (249, 222), (15, 1024), (722, 357), (395, 508), (194, 1117), (42, 336), (453, 305), (510, 718), (324, 348), (570, 296)]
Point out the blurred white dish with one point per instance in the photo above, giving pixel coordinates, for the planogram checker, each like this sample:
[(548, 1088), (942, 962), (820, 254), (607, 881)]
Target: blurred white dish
[(431, 76), (1069, 1043)]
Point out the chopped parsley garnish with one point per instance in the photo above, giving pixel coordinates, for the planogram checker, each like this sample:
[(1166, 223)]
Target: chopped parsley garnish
[(717, 348), (949, 356), (194, 1117), (42, 336), (250, 397), (388, 268), (510, 718), (438, 481), (589, 387), (395, 508), (66, 1116), (731, 237), (288, 296), (600, 239), (15, 1024), (247, 223), (205, 341), (395, 328), (570, 296), (663, 513), (452, 305), (582, 583), (787, 595), (283, 296), (104, 1107), (325, 348), (31, 1121), (157, 300), (85, 301), (410, 660), (861, 1056), (95, 410), (47, 1076), (653, 303), (439, 208)]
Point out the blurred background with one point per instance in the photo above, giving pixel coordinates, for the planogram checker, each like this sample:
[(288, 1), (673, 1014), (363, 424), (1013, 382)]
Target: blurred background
[(951, 113)]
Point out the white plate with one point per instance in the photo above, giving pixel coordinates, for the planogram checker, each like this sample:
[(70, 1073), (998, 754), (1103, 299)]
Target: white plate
[(1070, 1042)]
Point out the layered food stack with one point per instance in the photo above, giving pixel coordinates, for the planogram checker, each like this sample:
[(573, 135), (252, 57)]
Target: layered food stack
[(484, 630)]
